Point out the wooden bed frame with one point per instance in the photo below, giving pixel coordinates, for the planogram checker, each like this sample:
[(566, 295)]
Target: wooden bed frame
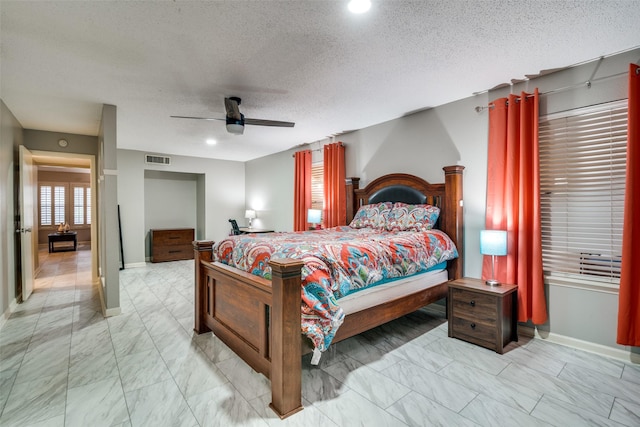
[(260, 319)]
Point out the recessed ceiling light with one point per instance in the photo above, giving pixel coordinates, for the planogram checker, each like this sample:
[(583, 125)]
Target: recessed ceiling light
[(211, 141), (359, 6)]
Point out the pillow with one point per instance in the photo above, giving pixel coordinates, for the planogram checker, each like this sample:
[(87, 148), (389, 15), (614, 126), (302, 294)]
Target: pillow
[(404, 217), (372, 216)]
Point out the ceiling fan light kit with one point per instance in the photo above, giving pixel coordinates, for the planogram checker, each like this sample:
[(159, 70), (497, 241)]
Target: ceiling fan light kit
[(234, 126)]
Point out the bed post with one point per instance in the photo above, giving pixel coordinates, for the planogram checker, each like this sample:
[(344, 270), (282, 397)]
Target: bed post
[(286, 340), (454, 216), (352, 184), (203, 251)]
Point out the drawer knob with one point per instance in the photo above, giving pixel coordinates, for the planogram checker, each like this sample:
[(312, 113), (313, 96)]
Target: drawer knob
[(473, 326), (472, 303)]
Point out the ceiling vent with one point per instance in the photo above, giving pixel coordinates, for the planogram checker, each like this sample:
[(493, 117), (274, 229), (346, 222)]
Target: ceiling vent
[(157, 160)]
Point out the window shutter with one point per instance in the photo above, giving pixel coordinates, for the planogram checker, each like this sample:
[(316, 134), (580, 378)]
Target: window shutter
[(582, 182)]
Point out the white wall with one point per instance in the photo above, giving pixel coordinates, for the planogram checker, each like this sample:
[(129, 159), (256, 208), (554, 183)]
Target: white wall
[(223, 190)]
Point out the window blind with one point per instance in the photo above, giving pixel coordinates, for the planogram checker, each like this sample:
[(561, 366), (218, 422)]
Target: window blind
[(317, 186), (582, 182), (58, 204)]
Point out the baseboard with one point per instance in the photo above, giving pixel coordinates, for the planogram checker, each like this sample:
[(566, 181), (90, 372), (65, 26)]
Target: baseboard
[(7, 313), (135, 265), (624, 355)]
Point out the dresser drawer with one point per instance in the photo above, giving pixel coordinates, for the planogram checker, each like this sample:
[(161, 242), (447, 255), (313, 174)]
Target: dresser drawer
[(476, 306), (478, 333), (173, 253), (172, 237)]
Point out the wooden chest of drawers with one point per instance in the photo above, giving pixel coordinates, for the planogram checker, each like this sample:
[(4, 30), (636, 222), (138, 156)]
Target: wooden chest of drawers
[(171, 244), (483, 315)]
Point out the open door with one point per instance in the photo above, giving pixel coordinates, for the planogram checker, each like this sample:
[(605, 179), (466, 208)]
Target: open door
[(27, 215)]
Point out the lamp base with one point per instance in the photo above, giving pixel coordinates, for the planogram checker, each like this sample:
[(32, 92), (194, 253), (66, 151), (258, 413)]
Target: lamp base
[(492, 282)]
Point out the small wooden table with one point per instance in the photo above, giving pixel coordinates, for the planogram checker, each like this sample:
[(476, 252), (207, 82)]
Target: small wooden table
[(69, 236), (483, 315)]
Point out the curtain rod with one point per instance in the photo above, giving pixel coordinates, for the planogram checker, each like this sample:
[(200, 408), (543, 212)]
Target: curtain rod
[(317, 149), (588, 83)]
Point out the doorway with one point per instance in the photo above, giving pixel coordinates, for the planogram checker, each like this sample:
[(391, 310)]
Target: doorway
[(66, 163)]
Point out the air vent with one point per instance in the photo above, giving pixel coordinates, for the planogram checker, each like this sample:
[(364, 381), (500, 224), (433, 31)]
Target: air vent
[(157, 160)]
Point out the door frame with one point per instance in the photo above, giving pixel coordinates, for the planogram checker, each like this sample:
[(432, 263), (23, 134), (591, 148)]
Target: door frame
[(55, 158)]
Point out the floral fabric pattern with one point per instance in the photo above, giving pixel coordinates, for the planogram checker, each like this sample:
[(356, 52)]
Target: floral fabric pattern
[(372, 216), (404, 217), (337, 262)]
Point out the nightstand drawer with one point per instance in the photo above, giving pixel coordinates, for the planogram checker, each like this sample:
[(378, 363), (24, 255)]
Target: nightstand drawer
[(470, 330), (475, 306)]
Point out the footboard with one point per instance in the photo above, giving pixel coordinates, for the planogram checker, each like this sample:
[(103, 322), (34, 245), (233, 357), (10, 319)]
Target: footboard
[(257, 318)]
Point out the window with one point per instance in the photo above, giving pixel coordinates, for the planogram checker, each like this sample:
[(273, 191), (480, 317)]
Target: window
[(59, 205), (81, 205), (317, 186), (582, 183)]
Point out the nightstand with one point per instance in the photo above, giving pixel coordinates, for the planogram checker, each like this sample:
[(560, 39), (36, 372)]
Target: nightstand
[(483, 315)]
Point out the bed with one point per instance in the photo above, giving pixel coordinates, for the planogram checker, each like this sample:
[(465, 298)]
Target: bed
[(260, 319)]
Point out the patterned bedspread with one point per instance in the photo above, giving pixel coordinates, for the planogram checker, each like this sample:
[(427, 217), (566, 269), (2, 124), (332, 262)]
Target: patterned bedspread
[(337, 261)]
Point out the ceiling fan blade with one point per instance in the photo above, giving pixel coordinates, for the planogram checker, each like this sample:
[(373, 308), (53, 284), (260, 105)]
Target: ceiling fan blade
[(197, 118), (262, 122), (231, 105)]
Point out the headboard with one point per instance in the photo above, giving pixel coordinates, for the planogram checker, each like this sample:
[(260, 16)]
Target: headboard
[(400, 187)]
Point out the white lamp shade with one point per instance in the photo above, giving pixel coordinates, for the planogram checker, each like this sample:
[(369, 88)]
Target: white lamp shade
[(250, 213), (493, 242), (314, 216)]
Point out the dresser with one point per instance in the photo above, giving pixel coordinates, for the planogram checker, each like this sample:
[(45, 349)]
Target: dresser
[(171, 244), (483, 315)]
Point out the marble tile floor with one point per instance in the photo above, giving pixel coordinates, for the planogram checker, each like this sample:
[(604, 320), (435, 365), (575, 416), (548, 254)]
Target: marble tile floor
[(63, 364)]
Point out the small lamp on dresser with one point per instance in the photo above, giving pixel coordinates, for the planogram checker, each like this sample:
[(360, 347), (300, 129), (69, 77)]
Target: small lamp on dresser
[(494, 243), (250, 214), (314, 216)]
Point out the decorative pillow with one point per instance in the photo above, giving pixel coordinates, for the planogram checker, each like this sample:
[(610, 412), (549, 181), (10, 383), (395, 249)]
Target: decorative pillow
[(404, 217), (372, 216)]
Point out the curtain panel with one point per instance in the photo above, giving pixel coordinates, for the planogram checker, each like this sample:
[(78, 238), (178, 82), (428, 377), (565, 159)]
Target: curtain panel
[(302, 189), (513, 200), (335, 193), (629, 294)]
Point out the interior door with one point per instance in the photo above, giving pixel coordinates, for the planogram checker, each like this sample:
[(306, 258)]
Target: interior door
[(27, 215)]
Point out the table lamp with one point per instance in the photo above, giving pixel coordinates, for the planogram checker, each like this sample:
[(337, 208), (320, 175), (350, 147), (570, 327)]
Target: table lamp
[(314, 216), (494, 243), (250, 214)]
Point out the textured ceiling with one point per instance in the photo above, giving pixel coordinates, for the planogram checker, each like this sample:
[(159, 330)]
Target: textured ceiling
[(310, 62)]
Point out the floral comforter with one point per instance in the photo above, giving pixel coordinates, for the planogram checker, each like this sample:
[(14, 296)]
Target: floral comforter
[(337, 261)]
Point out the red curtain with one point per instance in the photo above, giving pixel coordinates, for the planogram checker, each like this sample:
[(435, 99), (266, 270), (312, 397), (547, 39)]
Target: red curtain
[(629, 296), (513, 200), (301, 189), (335, 192)]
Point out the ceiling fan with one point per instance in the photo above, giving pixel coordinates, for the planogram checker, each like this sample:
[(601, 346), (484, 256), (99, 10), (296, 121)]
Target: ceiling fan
[(236, 120)]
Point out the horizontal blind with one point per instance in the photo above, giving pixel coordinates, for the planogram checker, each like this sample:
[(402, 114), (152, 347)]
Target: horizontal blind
[(582, 182), (317, 186)]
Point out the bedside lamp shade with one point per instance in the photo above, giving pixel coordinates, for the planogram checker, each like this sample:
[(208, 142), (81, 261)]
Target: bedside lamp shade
[(250, 214), (494, 243), (314, 216)]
